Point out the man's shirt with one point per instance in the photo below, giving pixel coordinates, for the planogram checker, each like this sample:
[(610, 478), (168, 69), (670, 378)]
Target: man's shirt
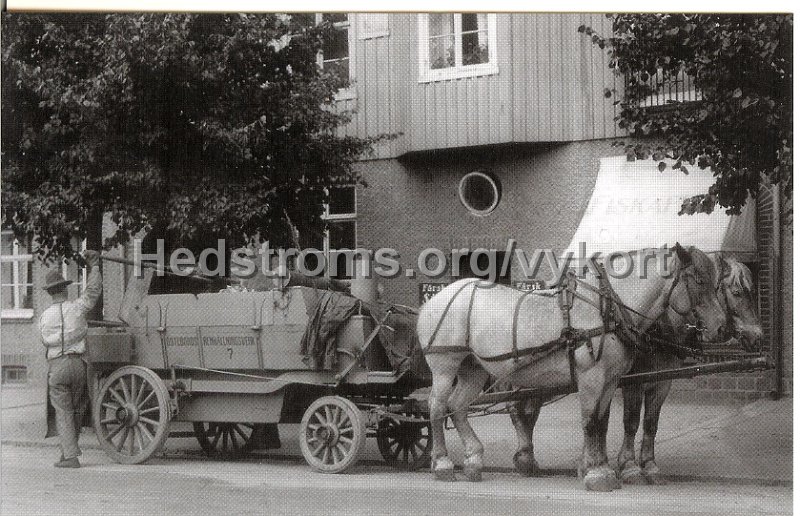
[(71, 317)]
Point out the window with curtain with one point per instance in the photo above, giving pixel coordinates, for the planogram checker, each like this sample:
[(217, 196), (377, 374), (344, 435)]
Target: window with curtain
[(454, 45)]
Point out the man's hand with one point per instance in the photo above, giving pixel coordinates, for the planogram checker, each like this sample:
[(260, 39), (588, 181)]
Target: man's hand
[(92, 258)]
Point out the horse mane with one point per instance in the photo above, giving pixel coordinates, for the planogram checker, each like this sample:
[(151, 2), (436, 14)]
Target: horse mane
[(739, 275)]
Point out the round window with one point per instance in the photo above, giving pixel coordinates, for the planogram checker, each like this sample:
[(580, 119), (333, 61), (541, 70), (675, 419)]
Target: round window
[(479, 193)]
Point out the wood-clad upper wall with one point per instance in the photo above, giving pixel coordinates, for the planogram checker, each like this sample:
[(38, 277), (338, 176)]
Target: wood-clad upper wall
[(549, 87)]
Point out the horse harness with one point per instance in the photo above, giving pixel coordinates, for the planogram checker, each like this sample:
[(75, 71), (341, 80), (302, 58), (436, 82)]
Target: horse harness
[(571, 338)]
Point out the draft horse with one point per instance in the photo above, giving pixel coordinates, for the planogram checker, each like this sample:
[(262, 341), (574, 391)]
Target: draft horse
[(582, 334), (734, 289)]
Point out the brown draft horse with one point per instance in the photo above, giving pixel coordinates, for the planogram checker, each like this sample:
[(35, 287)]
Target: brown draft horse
[(734, 290), (473, 329)]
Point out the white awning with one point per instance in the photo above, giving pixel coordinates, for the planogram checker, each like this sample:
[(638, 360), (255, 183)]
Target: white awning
[(635, 206)]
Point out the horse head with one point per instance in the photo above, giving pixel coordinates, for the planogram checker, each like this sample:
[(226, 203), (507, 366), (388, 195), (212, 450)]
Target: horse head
[(735, 292), (690, 301)]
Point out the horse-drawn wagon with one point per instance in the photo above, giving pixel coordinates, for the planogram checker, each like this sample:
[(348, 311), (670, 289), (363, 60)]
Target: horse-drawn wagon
[(233, 363)]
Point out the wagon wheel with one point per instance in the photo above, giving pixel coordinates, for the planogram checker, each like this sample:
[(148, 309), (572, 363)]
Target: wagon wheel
[(404, 444), (228, 439), (332, 434), (132, 414)]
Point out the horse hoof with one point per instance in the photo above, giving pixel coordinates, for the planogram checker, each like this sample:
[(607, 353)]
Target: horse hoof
[(472, 474), (632, 474), (653, 475), (444, 475), (596, 480), (525, 464)]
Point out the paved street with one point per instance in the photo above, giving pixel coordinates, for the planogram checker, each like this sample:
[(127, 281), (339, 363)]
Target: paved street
[(30, 485)]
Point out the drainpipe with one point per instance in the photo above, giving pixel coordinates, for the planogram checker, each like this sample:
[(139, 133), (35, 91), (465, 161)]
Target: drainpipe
[(777, 293)]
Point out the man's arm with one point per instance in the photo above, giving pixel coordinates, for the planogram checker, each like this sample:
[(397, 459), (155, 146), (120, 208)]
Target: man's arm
[(94, 284)]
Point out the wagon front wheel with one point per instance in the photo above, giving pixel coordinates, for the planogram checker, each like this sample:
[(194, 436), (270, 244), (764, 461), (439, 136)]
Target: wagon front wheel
[(132, 414), (405, 444), (332, 433), (227, 439)]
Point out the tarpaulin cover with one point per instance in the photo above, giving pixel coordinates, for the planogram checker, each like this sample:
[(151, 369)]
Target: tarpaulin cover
[(635, 206)]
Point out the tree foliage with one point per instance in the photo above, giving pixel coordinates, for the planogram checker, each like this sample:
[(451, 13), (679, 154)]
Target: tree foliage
[(741, 125), (205, 125)]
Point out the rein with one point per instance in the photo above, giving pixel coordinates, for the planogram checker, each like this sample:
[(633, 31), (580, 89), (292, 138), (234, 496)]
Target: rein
[(614, 312)]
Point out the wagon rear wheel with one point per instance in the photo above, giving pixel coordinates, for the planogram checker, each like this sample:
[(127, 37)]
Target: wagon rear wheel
[(405, 444), (332, 433), (228, 439), (132, 414)]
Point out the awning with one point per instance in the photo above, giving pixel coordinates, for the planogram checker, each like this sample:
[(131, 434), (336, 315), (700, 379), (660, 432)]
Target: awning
[(635, 206)]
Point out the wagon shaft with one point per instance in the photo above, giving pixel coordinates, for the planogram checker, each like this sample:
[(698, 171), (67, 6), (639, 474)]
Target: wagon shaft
[(760, 363)]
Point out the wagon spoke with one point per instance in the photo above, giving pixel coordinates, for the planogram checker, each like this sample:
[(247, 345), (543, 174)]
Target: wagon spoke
[(342, 452), (234, 442), (133, 438), (124, 385), (143, 429), (144, 401), (346, 429), (345, 439), (149, 421), (326, 454), (116, 395), (225, 439), (217, 435), (319, 416), (241, 433), (137, 401), (138, 432), (114, 432), (108, 420), (110, 406), (328, 415), (313, 426), (149, 410), (315, 451), (124, 438), (133, 387)]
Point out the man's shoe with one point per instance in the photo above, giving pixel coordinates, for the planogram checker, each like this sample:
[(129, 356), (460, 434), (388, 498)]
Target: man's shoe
[(68, 463)]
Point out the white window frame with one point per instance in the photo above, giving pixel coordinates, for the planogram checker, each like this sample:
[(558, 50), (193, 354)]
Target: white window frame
[(349, 92), (426, 74), (6, 369), (340, 217), (15, 258), (363, 33)]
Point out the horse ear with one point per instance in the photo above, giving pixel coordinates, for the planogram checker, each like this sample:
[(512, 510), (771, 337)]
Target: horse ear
[(724, 266), (683, 255)]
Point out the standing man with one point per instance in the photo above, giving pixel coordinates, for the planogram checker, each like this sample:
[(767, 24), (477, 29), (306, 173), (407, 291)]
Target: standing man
[(63, 328)]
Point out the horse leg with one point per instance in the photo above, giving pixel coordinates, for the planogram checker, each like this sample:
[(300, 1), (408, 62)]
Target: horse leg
[(629, 470), (595, 394), (654, 396), (470, 381), (443, 371), (524, 415)]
